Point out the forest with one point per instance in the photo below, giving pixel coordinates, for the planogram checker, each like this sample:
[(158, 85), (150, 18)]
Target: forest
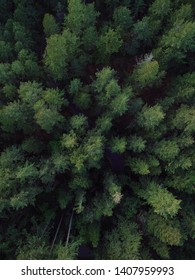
[(97, 125)]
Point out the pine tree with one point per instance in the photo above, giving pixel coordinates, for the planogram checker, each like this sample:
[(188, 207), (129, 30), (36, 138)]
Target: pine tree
[(97, 129), (147, 73), (61, 49), (108, 44), (50, 26)]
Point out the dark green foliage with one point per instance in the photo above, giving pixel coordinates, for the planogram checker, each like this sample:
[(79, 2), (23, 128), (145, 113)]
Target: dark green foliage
[(122, 18), (123, 242), (150, 117), (109, 43), (160, 8), (50, 26), (97, 125), (6, 51)]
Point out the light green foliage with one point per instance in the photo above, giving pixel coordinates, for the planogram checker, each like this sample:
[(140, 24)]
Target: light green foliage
[(103, 78), (120, 103), (30, 92), (109, 92), (150, 117), (69, 140), (10, 156), (21, 200), (146, 73), (67, 252), (123, 242), (118, 145), (46, 172), (54, 98), (165, 230), (45, 117), (183, 162), (14, 172), (93, 150), (77, 159), (60, 162), (136, 144), (185, 119), (180, 37), (182, 14), (28, 172), (79, 201), (75, 87), (185, 141), (88, 150), (60, 50), (80, 16), (80, 182), (47, 109), (109, 43), (178, 41), (50, 26), (183, 87), (162, 201), (113, 187), (166, 150), (33, 249), (160, 8), (182, 181), (112, 89), (104, 123), (138, 166), (79, 122)]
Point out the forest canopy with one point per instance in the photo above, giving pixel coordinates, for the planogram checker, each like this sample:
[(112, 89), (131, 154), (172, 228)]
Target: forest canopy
[(97, 123)]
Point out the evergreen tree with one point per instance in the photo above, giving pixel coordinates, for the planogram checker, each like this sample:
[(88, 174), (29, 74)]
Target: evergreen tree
[(97, 125), (50, 26), (60, 50)]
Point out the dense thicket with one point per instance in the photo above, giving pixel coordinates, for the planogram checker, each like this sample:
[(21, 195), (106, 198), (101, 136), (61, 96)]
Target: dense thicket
[(97, 123)]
